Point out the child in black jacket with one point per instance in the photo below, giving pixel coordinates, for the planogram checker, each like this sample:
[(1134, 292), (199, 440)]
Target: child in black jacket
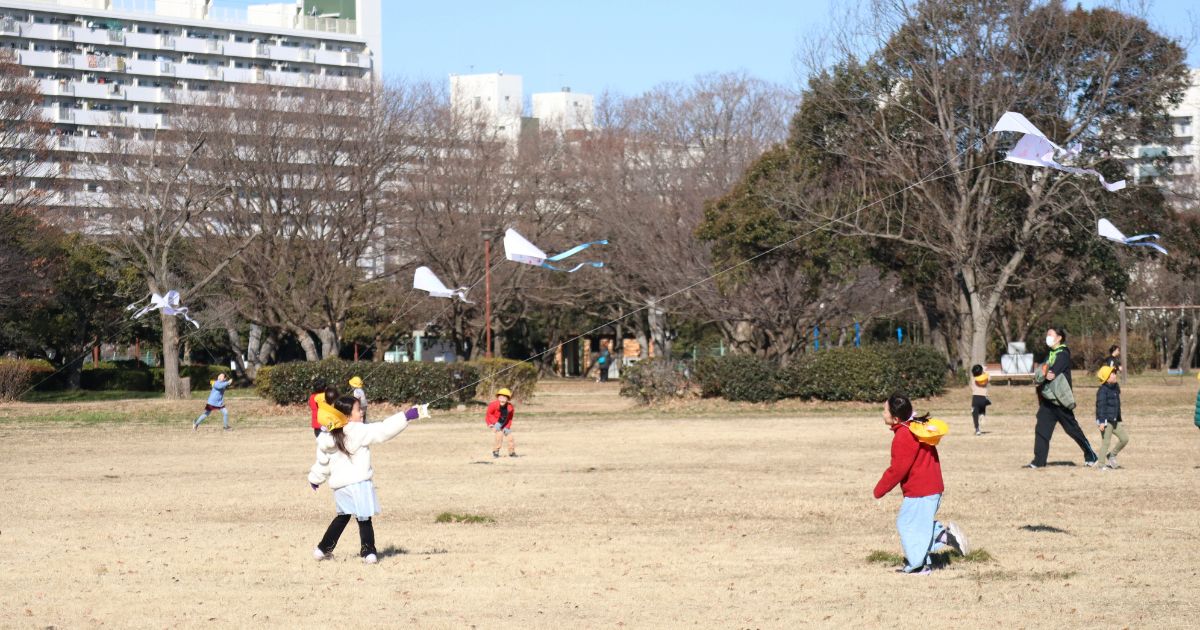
[(1108, 415)]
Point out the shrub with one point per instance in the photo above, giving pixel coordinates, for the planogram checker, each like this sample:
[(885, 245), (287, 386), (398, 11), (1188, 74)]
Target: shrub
[(441, 384), (739, 377), (262, 381), (866, 374), (200, 375), (114, 378), (655, 380), (519, 376), (15, 378)]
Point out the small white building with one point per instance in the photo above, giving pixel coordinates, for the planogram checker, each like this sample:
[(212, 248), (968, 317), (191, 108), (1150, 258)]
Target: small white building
[(1183, 152), (564, 110), (495, 97)]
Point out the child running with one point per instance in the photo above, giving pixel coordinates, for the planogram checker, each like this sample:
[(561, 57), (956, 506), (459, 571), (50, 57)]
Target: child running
[(357, 383), (344, 460), (216, 400), (916, 467), (499, 419), (979, 395), (1108, 416)]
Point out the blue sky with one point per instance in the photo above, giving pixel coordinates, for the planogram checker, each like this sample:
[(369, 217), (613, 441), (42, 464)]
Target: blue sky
[(626, 46)]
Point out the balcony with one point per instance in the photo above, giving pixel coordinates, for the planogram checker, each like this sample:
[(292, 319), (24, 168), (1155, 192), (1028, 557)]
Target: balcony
[(166, 68), (166, 41), (116, 37), (262, 50), (9, 26), (57, 87)]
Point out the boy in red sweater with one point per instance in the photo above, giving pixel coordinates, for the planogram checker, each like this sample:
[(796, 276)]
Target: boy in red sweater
[(915, 466), (499, 419)]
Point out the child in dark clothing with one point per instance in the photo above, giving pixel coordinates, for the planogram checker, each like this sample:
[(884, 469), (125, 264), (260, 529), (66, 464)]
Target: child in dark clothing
[(1108, 415), (979, 395), (916, 467)]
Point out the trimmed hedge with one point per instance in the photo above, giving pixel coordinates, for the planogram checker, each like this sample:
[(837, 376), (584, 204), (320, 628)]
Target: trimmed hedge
[(113, 378), (738, 377), (654, 380), (262, 381), (200, 375), (519, 376), (866, 374), (442, 384)]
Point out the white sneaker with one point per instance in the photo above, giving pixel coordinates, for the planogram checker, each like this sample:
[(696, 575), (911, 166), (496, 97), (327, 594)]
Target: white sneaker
[(319, 555), (370, 559), (956, 539)]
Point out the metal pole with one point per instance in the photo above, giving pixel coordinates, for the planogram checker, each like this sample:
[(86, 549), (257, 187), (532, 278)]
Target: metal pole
[(487, 283), (1124, 344)]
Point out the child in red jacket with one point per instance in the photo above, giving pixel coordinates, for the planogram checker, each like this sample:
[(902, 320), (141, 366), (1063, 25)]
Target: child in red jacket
[(915, 466), (499, 419)]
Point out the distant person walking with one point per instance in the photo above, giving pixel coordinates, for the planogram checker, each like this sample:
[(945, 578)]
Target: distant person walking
[(1052, 410), (602, 364)]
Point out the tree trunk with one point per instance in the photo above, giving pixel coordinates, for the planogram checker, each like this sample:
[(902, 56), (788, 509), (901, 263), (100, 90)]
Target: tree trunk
[(306, 343), (172, 385), (380, 348), (330, 348), (235, 342), (657, 321)]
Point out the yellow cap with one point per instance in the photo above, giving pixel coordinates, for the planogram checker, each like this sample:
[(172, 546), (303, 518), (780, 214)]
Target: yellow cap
[(930, 431), (1104, 372), (329, 417), (356, 382), (504, 391)]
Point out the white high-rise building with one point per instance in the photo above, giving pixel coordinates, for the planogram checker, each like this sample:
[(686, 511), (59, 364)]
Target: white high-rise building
[(564, 110), (495, 97), (109, 66), (1183, 183)]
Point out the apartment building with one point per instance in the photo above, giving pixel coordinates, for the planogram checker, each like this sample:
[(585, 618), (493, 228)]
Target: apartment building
[(106, 67), (1182, 184)]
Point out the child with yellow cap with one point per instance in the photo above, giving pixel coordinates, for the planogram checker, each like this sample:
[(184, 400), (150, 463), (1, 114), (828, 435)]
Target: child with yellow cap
[(344, 461), (357, 383), (499, 419), (915, 466), (1108, 415), (979, 395)]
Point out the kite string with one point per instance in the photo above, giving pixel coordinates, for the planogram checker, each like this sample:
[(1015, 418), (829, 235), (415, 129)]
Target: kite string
[(927, 178)]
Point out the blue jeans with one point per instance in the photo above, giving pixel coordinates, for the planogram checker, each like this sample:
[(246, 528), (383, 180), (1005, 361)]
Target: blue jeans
[(918, 530), (224, 417)]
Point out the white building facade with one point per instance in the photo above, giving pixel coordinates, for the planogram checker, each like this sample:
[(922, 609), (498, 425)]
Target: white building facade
[(113, 66), (496, 98), (564, 110), (1182, 184)]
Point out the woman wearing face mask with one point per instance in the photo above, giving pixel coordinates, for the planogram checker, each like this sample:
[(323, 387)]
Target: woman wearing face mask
[(1058, 365)]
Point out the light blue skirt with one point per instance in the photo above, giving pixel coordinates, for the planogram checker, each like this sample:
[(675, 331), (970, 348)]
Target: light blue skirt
[(357, 499)]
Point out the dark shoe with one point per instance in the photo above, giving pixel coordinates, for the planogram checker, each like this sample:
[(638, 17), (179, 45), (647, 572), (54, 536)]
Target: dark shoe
[(1090, 462), (512, 454), (496, 453), (228, 428)]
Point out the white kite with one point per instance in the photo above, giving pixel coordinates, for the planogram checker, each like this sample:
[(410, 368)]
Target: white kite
[(424, 280), (1110, 232), (518, 249), (1035, 149), (168, 304)]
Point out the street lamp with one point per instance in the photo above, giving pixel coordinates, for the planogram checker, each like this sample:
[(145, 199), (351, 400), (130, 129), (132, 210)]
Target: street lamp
[(488, 234)]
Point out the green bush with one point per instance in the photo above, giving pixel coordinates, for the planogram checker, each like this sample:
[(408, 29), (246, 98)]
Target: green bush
[(200, 375), (519, 376), (441, 384), (654, 380), (262, 381), (738, 377), (114, 378), (15, 377), (866, 374)]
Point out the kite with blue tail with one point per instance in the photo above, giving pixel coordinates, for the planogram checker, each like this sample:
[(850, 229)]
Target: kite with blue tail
[(1110, 232), (518, 249)]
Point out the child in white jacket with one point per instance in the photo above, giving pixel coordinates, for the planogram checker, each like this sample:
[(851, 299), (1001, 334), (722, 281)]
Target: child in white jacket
[(344, 460)]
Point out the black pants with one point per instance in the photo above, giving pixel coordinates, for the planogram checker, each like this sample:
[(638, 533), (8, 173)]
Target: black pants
[(603, 373), (366, 535), (1049, 415), (979, 405)]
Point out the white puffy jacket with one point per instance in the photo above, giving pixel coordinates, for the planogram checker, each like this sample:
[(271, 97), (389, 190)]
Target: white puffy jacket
[(340, 469)]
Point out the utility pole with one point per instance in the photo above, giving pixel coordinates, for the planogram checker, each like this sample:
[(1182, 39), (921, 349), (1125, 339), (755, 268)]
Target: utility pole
[(1124, 345), (487, 290)]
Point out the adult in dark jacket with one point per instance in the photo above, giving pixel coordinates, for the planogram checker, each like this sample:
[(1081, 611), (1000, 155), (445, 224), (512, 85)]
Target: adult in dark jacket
[(1058, 365)]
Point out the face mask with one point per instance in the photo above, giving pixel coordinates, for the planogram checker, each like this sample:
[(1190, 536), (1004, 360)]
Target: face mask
[(1050, 341)]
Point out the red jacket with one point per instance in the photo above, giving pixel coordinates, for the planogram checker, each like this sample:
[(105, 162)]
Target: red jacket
[(312, 406), (915, 466), (493, 413)]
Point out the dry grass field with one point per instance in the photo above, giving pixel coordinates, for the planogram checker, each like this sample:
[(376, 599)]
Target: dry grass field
[(703, 515)]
